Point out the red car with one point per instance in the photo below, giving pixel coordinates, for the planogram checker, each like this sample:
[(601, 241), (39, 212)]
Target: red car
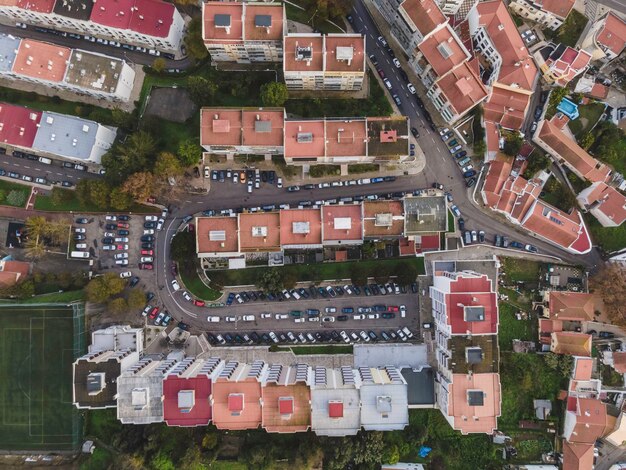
[(154, 312), (198, 303), (148, 266), (122, 225), (393, 308), (147, 252), (191, 227)]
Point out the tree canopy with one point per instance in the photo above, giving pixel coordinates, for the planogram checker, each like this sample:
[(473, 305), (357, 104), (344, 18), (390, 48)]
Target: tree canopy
[(274, 94)]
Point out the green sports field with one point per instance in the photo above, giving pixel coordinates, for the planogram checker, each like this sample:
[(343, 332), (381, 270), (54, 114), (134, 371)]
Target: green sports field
[(38, 345)]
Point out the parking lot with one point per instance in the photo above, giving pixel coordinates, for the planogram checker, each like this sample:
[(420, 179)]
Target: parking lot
[(251, 179)]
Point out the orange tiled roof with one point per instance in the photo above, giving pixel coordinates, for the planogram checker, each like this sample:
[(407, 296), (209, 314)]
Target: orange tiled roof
[(259, 231), (613, 34), (462, 88), (571, 343), (577, 456), (41, 60), (506, 106), (425, 14), (301, 227), (470, 418), (573, 306), (443, 51), (560, 8), (216, 235)]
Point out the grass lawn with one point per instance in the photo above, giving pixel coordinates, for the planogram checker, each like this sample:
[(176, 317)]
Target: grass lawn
[(6, 187), (101, 459), (511, 328), (610, 239), (301, 16), (569, 32), (44, 203), (451, 222), (327, 349), (589, 113), (56, 297), (197, 288), (518, 269), (311, 272), (37, 352)]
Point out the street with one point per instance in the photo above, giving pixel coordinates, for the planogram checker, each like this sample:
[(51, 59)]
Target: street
[(55, 172)]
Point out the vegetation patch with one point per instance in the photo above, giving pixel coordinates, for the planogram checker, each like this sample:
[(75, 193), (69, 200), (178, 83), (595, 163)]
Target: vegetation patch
[(326, 349), (520, 270), (363, 168), (589, 114), (569, 32), (610, 239), (511, 328), (13, 194), (197, 288), (318, 171), (558, 195)]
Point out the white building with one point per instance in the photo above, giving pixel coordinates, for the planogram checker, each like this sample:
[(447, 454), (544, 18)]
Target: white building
[(548, 13)]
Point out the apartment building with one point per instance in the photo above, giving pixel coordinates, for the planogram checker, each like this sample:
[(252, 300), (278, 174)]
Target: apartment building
[(335, 402), (606, 38), (111, 352), (54, 135), (465, 310), (330, 62), (596, 9), (384, 403), (286, 399), (244, 32), (547, 13), (60, 68), (148, 23)]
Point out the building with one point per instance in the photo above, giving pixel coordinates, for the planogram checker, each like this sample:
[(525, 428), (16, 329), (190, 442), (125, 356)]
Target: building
[(342, 225), (335, 402), (384, 405), (244, 32), (286, 399), (566, 151), (236, 396), (596, 9), (606, 38), (332, 62), (413, 20), (259, 232), (61, 68), (111, 352), (383, 219), (217, 237), (73, 138), (12, 272), (605, 203), (586, 420), (569, 306), (301, 229), (570, 343), (140, 391), (518, 199), (149, 23), (561, 64), (548, 13)]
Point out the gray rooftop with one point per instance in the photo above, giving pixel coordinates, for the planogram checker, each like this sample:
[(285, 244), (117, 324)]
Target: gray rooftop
[(380, 355), (330, 387), (140, 392), (384, 407), (475, 397), (76, 9), (94, 71), (420, 386), (8, 47), (263, 21), (66, 136), (425, 214)]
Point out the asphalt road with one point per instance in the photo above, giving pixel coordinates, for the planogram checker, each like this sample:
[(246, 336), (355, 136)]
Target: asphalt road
[(36, 169)]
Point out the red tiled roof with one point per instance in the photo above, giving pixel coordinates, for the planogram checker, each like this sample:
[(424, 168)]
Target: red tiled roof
[(199, 414), (217, 235), (577, 456), (583, 367), (335, 409), (286, 408), (211, 32), (383, 218), (599, 91), (518, 66), (573, 306), (427, 243), (342, 223), (456, 304), (572, 153), (39, 6), (560, 8), (443, 51), (346, 138), (475, 418), (18, 125), (252, 32), (571, 343), (220, 126), (290, 58), (613, 34), (506, 106), (16, 271), (619, 362), (301, 227), (235, 402), (462, 88), (297, 141), (345, 41), (244, 399), (425, 14), (149, 17), (41, 60), (492, 135), (591, 420), (251, 135), (498, 173), (607, 200), (259, 231)]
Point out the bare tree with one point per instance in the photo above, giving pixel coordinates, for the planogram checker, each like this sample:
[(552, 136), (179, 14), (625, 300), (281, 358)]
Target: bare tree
[(610, 285)]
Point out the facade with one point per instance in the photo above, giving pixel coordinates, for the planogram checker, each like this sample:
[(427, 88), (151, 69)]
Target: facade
[(61, 68), (606, 38), (548, 13), (244, 32), (333, 62), (465, 310), (149, 23), (111, 352), (561, 64)]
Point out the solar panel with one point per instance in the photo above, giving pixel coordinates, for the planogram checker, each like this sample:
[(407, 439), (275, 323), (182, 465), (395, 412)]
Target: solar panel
[(263, 21), (222, 21), (217, 235), (304, 137)]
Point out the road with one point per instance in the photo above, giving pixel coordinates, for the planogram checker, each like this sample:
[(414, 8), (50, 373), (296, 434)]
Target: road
[(53, 173)]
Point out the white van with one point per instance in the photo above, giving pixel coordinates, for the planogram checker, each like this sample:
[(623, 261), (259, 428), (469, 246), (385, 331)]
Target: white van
[(213, 319), (45, 160), (79, 167), (79, 254)]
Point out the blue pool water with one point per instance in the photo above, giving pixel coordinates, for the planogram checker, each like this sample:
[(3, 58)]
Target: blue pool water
[(568, 108)]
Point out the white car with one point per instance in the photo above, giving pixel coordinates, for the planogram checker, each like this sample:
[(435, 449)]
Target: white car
[(213, 319), (164, 214), (314, 318), (330, 310), (148, 231), (108, 247), (407, 332), (146, 259), (146, 310), (373, 316), (81, 246), (396, 62), (279, 183), (382, 41), (121, 240), (109, 234), (126, 274), (273, 337), (387, 83), (230, 319), (186, 296), (411, 88), (238, 299), (291, 337), (364, 335), (121, 256), (285, 292), (207, 172), (444, 131), (299, 320), (348, 290), (401, 334), (110, 218), (358, 317), (160, 224), (281, 316), (402, 311), (248, 318), (151, 218), (301, 338), (122, 262), (345, 337), (175, 285), (80, 230), (266, 315), (328, 319)]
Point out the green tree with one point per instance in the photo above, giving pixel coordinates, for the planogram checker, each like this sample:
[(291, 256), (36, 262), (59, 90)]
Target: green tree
[(289, 277), (104, 287), (193, 40), (159, 64), (34, 248), (36, 226), (358, 274), (167, 164), (480, 147), (131, 156), (406, 273), (22, 290), (210, 440), (118, 305), (201, 90), (83, 192), (139, 185), (3, 195), (123, 119), (556, 96), (193, 459), (162, 461), (269, 281), (586, 140), (136, 298), (99, 193), (512, 144), (189, 152), (382, 274), (183, 247), (274, 94), (60, 196), (119, 200)]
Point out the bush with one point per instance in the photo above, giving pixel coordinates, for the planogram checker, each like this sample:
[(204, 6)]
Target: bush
[(317, 171)]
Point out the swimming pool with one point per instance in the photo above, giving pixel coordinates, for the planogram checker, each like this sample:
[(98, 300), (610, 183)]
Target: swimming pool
[(569, 108)]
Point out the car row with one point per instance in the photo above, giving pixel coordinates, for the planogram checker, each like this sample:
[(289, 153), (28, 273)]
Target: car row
[(463, 161), (339, 183), (315, 292), (290, 337), (314, 315), (159, 317), (253, 178)]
